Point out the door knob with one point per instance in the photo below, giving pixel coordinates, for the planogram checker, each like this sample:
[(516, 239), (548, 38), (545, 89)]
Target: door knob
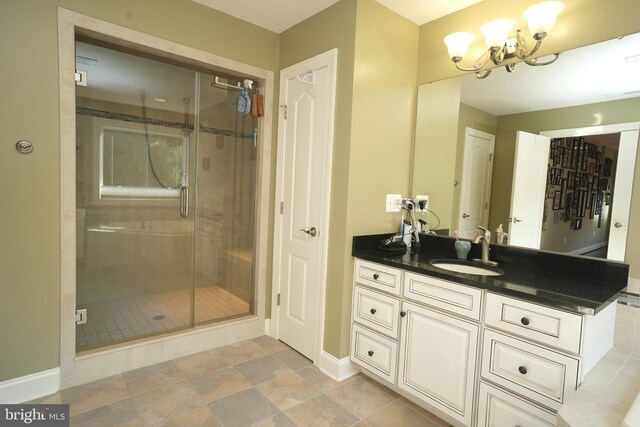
[(311, 232), (464, 215), (517, 220), (617, 224)]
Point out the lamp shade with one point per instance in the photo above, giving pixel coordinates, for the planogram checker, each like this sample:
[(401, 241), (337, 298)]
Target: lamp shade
[(496, 32), (458, 44), (542, 16)]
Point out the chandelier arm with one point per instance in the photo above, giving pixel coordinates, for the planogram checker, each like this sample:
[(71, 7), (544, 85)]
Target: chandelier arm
[(521, 51), (533, 62), (483, 74)]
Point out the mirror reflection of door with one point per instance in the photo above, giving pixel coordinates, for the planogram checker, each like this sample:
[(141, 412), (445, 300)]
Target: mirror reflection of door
[(604, 236), (528, 191), (475, 191)]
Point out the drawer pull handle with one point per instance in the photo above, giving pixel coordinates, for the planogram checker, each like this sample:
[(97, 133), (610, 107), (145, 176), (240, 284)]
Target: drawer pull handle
[(375, 277), (523, 370), (370, 353), (524, 321), (373, 311), (403, 313)]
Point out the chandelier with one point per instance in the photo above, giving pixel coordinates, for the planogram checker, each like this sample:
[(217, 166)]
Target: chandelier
[(540, 19)]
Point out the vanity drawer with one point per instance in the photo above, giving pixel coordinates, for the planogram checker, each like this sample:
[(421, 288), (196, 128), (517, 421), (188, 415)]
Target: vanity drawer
[(374, 353), (527, 369), (453, 297), (379, 276), (377, 311), (497, 408), (546, 325)]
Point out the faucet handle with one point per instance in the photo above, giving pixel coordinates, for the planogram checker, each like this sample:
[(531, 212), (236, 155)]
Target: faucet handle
[(486, 232)]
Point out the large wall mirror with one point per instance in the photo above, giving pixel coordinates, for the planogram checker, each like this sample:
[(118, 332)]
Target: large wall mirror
[(549, 152)]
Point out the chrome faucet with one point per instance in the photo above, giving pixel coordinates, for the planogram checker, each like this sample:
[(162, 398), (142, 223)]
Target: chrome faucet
[(484, 238)]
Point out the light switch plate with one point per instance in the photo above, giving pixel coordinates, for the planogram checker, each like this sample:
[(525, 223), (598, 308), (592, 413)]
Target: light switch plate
[(393, 202)]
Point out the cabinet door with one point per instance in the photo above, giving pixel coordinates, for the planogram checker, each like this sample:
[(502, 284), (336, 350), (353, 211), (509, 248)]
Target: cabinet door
[(438, 360), (497, 409)]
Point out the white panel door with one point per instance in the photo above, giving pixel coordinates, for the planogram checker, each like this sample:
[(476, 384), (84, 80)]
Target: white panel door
[(622, 195), (304, 141), (438, 360), (528, 190), (475, 191)]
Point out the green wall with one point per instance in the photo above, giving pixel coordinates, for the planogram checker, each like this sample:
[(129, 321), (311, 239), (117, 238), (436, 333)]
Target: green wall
[(382, 127), (604, 113), (436, 147), (30, 212)]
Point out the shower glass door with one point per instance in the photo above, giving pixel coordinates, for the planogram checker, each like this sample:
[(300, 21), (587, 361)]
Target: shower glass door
[(134, 142), (165, 197)]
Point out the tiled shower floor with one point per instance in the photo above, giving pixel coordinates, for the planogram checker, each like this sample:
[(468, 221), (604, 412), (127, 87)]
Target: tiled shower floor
[(126, 318)]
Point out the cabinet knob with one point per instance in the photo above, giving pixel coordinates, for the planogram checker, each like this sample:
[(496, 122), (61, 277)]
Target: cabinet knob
[(524, 321), (523, 370), (373, 311), (370, 353), (403, 313), (375, 277)]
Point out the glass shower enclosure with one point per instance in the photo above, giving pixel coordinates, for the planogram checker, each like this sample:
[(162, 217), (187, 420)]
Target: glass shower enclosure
[(165, 197)]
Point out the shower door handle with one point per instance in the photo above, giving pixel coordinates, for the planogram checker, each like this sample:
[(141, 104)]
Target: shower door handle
[(184, 201)]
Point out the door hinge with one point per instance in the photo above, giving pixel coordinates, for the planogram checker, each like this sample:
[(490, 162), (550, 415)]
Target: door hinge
[(486, 205), (278, 300), (81, 78), (284, 110), (281, 208), (490, 156), (81, 316)]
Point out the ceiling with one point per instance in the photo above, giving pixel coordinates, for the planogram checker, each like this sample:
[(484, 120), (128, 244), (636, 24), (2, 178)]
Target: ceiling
[(279, 15)]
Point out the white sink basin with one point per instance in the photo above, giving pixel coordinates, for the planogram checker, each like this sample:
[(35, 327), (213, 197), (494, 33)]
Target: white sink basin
[(467, 267)]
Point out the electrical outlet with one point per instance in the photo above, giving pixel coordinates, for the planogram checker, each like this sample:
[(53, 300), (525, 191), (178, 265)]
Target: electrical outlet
[(417, 200), (393, 202), (564, 240)]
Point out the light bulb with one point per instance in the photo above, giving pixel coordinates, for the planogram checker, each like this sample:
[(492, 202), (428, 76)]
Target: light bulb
[(542, 16), (458, 44), (496, 32)]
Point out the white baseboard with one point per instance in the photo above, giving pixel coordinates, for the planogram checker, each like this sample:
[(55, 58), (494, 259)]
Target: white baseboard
[(589, 248), (30, 387), (337, 369), (267, 327)]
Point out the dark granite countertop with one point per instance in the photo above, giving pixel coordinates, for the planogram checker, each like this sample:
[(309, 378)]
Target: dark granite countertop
[(569, 282)]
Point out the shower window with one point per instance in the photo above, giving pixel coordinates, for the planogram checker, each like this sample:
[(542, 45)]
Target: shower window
[(136, 163)]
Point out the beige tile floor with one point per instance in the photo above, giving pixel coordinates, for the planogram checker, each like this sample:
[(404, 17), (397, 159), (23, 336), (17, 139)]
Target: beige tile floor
[(122, 319), (259, 382)]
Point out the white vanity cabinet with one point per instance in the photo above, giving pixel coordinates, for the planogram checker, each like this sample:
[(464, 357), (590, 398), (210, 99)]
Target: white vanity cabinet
[(473, 357), (418, 333), (533, 357)]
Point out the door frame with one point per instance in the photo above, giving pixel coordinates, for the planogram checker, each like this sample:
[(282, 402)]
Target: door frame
[(79, 369), (327, 59), (598, 130)]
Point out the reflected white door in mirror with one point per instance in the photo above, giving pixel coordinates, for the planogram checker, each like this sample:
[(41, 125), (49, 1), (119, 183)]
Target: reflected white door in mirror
[(475, 191), (528, 191)]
